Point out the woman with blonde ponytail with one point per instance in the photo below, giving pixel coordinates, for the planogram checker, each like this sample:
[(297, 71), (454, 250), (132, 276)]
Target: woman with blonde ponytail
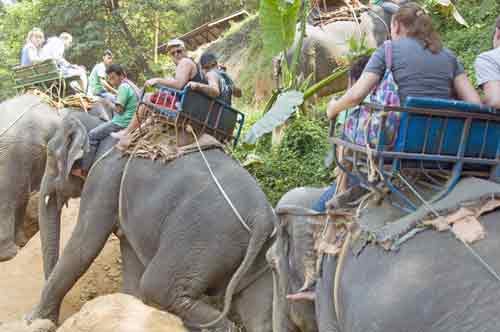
[(421, 66)]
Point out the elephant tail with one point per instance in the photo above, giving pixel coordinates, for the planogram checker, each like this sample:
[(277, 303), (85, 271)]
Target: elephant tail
[(257, 241)]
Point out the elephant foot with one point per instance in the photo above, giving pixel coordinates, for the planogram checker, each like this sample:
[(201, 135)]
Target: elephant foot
[(36, 314), (21, 239), (8, 252)]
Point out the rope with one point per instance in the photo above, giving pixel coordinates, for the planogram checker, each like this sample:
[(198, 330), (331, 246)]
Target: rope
[(338, 270), (19, 118), (353, 12), (228, 200), (373, 170), (432, 210)]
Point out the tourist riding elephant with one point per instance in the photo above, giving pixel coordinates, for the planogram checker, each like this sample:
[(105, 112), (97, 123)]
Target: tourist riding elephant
[(323, 46), (432, 283), (180, 239), (27, 124)]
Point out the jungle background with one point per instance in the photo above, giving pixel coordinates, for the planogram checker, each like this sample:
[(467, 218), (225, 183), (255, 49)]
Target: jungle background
[(128, 27)]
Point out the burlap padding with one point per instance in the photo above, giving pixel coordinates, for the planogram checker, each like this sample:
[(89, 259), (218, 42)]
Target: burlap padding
[(467, 191), (159, 139)]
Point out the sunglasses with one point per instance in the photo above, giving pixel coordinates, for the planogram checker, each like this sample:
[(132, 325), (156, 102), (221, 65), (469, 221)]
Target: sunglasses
[(175, 52)]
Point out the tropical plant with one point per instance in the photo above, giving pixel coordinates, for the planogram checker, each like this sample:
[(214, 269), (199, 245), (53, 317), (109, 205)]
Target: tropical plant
[(278, 19)]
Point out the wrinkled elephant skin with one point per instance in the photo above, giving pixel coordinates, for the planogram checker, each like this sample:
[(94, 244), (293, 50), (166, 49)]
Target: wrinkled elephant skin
[(324, 46), (27, 125), (179, 237), (433, 283)]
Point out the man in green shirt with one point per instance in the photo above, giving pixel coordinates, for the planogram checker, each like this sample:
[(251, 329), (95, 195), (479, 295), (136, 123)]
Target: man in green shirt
[(98, 85), (125, 107)]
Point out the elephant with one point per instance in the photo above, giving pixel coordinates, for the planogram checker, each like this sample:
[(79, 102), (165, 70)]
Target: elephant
[(28, 123), (289, 257), (324, 46), (432, 283), (179, 237)]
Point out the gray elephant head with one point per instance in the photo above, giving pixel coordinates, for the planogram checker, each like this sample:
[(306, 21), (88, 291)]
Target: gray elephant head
[(67, 147), (323, 46), (291, 258)]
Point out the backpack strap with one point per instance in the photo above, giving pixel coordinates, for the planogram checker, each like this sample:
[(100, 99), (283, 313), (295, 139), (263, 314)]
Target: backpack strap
[(388, 55)]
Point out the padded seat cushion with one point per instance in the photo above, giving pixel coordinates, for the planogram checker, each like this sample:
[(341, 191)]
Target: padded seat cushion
[(484, 135)]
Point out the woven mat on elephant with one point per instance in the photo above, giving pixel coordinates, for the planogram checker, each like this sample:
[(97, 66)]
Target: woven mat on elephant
[(458, 212), (158, 139), (78, 101)]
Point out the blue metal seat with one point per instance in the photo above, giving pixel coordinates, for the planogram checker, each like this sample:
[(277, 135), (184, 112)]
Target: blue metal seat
[(433, 135), (205, 114)]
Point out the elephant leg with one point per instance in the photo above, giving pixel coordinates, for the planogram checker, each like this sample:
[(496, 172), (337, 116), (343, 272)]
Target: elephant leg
[(172, 280), (254, 304), (8, 248), (325, 306), (96, 221), (20, 236), (133, 268)]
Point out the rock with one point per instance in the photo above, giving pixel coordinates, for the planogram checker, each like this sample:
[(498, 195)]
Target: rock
[(22, 279), (121, 313), (36, 326)]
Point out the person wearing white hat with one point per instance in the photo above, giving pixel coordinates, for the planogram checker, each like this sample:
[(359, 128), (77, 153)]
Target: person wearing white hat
[(186, 71)]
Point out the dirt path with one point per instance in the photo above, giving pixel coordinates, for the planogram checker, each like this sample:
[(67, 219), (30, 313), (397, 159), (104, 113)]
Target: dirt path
[(21, 279)]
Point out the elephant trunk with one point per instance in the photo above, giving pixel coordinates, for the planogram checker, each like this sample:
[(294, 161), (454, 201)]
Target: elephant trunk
[(278, 259), (50, 228), (325, 304)]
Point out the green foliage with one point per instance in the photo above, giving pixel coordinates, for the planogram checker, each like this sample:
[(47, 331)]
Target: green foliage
[(125, 26), (357, 49), (277, 20), (469, 42), (298, 161)]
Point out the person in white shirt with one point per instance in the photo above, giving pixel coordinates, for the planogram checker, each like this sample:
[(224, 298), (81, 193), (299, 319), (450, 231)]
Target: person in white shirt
[(32, 49), (487, 67), (54, 49)]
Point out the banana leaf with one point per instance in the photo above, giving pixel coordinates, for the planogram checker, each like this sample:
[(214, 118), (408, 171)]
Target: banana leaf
[(286, 104), (278, 19)]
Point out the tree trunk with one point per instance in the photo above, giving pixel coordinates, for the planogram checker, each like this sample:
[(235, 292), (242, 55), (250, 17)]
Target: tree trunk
[(138, 54)]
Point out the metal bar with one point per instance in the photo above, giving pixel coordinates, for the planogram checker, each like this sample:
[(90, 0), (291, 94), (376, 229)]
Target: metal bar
[(398, 193), (426, 133), (442, 134), (415, 156), (436, 112), (485, 136), (405, 132), (354, 176)]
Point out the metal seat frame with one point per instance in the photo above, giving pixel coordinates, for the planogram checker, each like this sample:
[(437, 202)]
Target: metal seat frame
[(390, 163), (181, 116)]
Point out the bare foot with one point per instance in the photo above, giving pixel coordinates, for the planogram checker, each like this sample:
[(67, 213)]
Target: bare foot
[(302, 296), (79, 172), (119, 134)]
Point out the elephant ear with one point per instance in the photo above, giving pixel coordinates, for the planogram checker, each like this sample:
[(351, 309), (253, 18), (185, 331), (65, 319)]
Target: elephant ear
[(76, 144)]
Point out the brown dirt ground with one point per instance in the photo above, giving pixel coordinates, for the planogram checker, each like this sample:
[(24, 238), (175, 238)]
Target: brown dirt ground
[(21, 279)]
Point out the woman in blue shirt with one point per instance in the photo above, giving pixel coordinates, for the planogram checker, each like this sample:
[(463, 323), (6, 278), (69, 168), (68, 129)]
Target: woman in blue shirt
[(31, 50)]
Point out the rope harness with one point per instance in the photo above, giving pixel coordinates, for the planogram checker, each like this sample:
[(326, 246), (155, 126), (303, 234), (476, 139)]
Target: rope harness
[(221, 189), (437, 215)]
